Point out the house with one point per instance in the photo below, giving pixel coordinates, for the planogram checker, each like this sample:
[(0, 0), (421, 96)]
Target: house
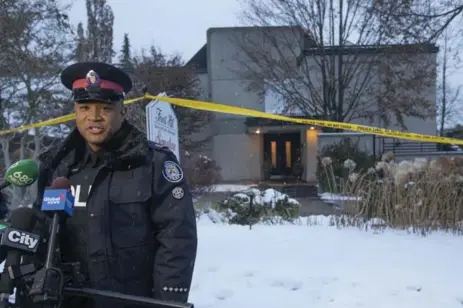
[(251, 149)]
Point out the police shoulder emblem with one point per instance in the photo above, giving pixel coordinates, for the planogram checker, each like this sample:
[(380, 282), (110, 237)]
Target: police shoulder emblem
[(172, 172), (92, 79)]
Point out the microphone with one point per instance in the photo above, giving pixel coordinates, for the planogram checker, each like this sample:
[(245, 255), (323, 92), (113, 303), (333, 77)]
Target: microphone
[(49, 281), (59, 201), (21, 174), (18, 240)]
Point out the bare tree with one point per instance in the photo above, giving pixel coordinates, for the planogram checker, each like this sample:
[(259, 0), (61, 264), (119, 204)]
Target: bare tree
[(157, 72), (36, 46), (449, 95), (332, 60), (405, 84), (418, 21)]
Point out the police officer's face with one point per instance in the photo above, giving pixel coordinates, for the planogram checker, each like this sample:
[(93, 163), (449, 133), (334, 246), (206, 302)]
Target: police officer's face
[(97, 122)]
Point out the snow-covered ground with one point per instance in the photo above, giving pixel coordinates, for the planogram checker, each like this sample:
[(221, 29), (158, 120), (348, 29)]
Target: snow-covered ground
[(318, 266), (307, 266)]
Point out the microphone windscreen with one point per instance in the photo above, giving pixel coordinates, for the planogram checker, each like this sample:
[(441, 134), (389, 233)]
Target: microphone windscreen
[(60, 183), (23, 218)]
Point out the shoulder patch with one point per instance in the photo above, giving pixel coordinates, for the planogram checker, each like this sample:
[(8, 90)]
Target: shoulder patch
[(172, 172)]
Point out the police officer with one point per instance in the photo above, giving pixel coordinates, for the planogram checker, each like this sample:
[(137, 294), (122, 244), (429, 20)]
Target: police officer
[(134, 228)]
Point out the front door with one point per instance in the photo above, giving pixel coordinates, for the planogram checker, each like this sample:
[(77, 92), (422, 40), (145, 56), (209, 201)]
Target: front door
[(281, 152)]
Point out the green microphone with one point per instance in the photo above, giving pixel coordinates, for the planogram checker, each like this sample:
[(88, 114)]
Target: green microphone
[(21, 174)]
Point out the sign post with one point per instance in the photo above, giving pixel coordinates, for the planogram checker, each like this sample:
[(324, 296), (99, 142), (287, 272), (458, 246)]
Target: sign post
[(162, 125)]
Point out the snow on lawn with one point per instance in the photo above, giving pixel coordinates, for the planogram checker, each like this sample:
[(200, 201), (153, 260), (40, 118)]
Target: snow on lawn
[(318, 266), (300, 266)]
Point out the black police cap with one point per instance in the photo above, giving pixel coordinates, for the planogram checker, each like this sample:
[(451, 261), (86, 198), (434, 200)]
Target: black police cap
[(96, 81)]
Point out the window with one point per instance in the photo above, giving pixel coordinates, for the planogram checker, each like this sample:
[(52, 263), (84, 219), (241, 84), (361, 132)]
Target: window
[(273, 149), (288, 153)]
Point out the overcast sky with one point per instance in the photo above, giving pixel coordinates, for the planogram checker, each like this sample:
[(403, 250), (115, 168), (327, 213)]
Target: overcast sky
[(172, 25)]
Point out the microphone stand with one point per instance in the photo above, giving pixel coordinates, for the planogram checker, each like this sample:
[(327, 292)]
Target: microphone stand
[(48, 283), (52, 241)]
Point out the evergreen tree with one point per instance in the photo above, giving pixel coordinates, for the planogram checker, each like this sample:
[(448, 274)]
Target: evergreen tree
[(125, 58)]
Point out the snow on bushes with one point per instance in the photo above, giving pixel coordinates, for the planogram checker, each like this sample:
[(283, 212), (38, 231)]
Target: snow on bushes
[(420, 194), (253, 206)]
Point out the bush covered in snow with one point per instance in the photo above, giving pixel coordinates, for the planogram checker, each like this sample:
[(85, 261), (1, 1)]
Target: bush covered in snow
[(201, 172), (343, 158), (420, 194), (253, 205)]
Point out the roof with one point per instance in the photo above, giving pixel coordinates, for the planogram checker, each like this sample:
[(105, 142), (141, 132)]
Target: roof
[(251, 28), (253, 122), (199, 60), (370, 49)]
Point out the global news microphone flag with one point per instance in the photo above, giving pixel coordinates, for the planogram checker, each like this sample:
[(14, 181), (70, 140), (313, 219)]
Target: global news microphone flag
[(58, 200)]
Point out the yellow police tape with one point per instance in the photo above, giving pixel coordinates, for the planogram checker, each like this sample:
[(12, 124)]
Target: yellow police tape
[(58, 120), (208, 106)]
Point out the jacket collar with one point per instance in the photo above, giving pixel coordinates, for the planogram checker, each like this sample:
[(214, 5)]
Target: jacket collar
[(127, 149)]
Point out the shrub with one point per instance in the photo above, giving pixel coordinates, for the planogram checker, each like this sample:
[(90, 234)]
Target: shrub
[(419, 195), (254, 206), (287, 209), (201, 172), (243, 209), (343, 159)]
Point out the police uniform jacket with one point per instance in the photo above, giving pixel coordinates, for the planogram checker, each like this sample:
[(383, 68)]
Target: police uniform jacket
[(139, 223)]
